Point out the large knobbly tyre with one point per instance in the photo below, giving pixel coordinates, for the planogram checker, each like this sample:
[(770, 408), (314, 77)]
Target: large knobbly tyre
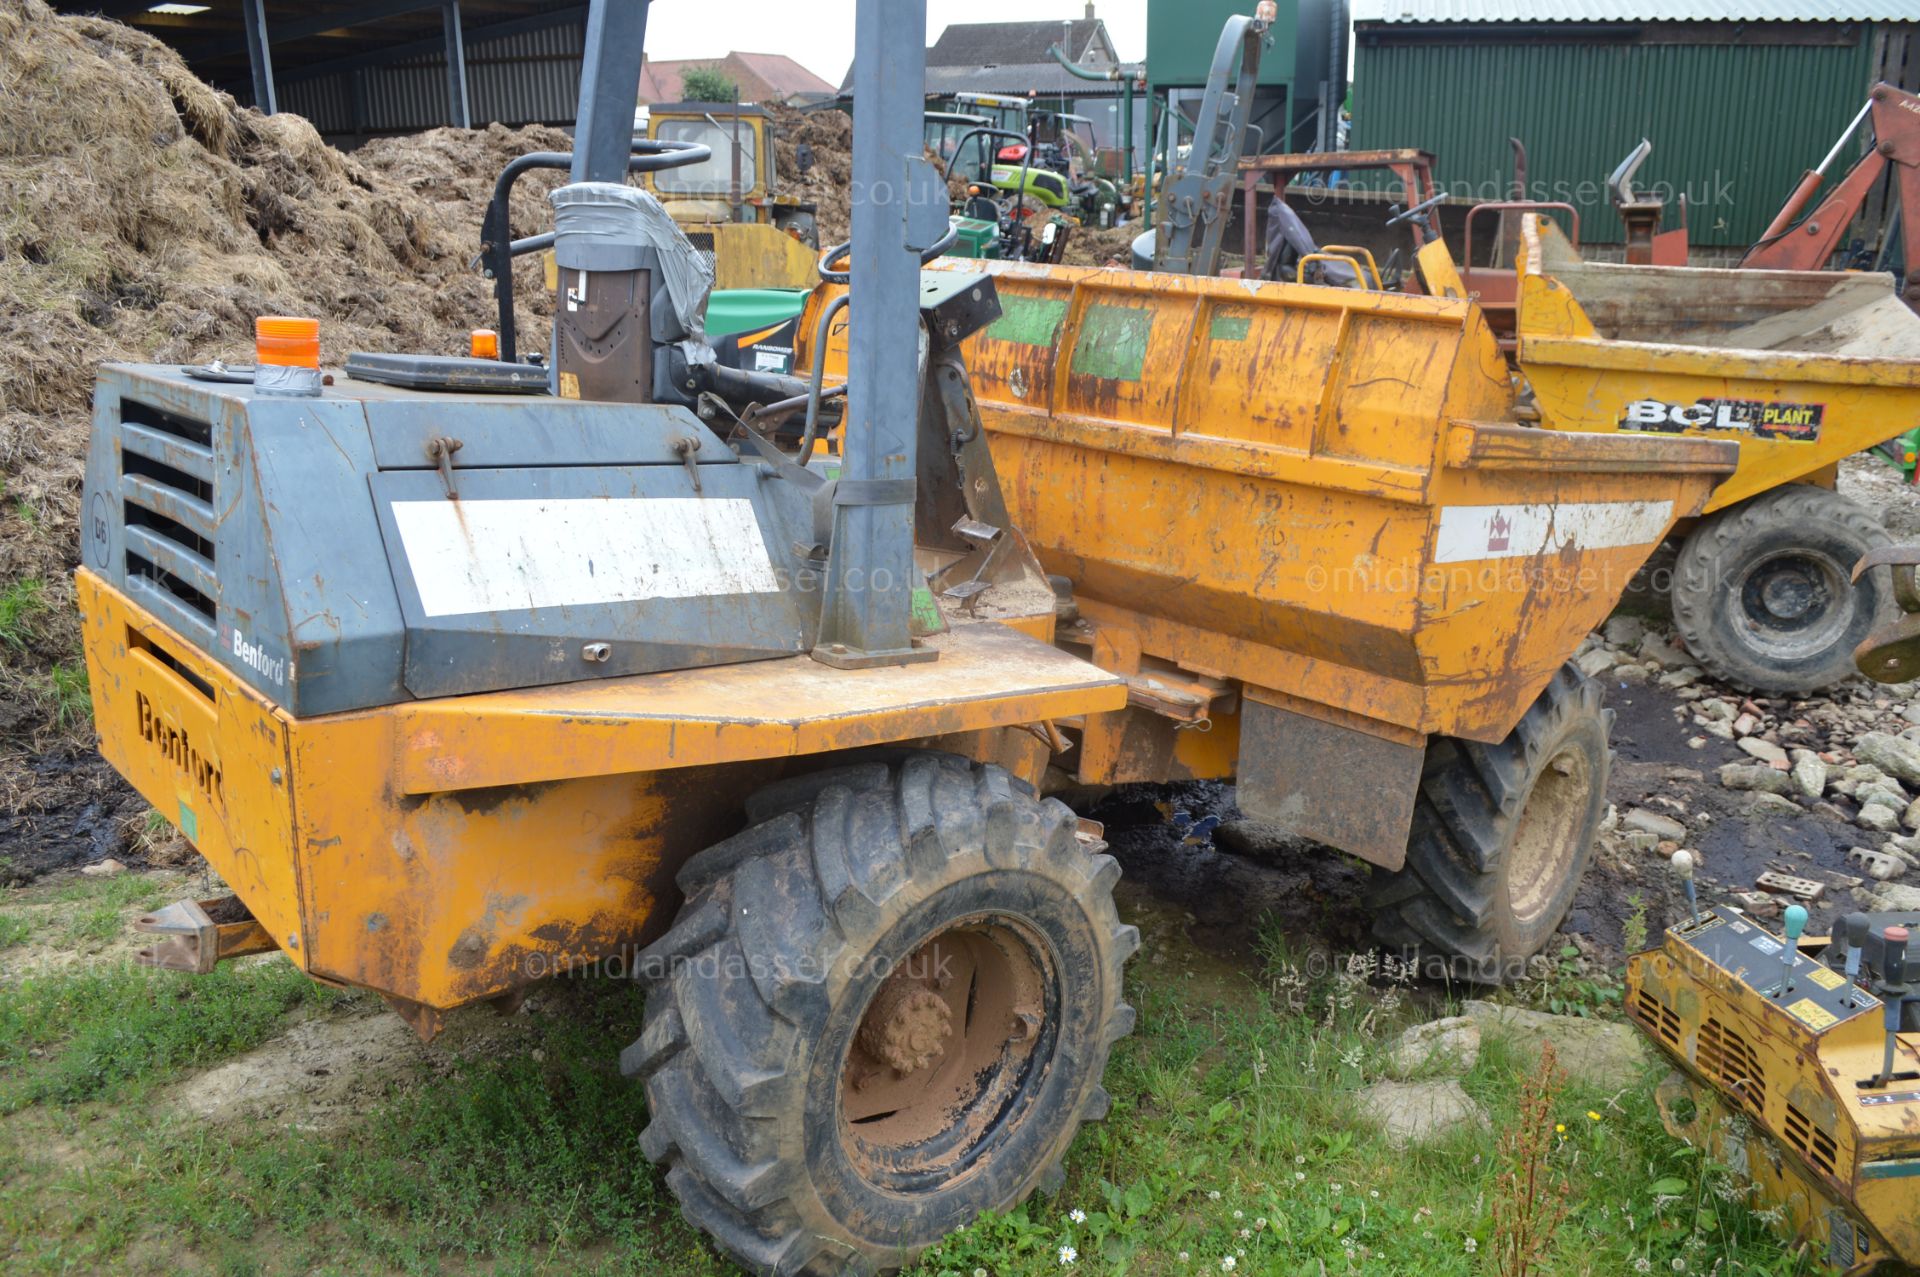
[(884, 1008), (1761, 591), (1501, 836)]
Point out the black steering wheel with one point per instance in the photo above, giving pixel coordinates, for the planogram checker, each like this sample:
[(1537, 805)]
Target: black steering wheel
[(1418, 213), (834, 254)]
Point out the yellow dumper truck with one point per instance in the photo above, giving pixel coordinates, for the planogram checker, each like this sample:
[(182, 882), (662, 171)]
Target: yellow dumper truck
[(1306, 527), (1801, 369), (728, 203), (461, 671)]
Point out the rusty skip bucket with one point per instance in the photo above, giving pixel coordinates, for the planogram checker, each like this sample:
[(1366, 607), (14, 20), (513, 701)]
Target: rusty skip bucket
[(1322, 493)]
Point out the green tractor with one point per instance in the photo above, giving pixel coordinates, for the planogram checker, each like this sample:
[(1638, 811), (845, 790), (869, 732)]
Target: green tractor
[(1065, 145), (1013, 210), (960, 144), (998, 110)]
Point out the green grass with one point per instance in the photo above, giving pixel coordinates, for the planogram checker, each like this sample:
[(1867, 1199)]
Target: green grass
[(99, 1034), (120, 891), (82, 910), (20, 602), (99, 923), (1234, 1133), (68, 698), (1233, 1110), (510, 1163), (14, 929)]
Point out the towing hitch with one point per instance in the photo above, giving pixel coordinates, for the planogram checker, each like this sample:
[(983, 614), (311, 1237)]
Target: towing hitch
[(198, 934)]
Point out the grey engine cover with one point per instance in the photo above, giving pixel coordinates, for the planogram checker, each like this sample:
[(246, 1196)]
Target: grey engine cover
[(311, 546)]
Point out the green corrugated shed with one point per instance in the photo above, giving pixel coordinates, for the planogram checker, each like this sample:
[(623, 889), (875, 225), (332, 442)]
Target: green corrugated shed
[(1733, 125)]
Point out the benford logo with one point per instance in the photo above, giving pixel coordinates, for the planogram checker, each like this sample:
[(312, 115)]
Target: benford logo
[(255, 658), (173, 743)]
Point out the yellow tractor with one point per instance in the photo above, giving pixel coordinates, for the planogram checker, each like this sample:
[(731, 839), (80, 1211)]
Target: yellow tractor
[(463, 672), (727, 204)]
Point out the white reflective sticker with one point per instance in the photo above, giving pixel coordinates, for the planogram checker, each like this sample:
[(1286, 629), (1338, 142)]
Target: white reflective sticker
[(1524, 531), (506, 556)]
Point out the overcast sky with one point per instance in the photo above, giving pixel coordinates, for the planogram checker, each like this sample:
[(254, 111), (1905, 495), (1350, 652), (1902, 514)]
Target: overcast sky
[(818, 34)]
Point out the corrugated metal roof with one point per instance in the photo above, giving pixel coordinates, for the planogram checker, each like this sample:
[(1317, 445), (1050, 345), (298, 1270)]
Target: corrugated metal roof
[(1414, 11)]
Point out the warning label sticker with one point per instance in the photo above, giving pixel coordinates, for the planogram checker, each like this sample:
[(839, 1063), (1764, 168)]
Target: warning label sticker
[(1812, 1014), (1826, 977)]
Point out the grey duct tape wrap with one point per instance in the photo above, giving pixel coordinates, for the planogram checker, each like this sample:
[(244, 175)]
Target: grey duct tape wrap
[(603, 226), (272, 379)]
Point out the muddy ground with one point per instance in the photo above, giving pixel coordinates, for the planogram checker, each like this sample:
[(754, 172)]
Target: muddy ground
[(1251, 878), (69, 809)]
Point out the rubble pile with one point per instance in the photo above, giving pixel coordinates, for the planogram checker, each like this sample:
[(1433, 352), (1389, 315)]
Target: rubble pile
[(1091, 246), (1849, 757), (455, 169)]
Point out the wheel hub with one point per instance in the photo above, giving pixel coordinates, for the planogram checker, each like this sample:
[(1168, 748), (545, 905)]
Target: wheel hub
[(1544, 844), (945, 1051), (907, 1027), (1786, 594)]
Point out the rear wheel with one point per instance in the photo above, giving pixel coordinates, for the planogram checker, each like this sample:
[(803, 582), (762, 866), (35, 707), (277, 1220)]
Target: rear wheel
[(884, 1009), (1762, 596), (1501, 837)]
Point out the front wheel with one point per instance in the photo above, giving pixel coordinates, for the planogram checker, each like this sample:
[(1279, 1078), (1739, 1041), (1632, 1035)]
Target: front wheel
[(1501, 837), (1761, 591), (884, 1009)]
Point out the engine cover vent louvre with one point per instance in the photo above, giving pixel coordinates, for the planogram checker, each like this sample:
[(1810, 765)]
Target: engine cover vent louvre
[(1659, 1017), (1722, 1053), (1818, 1145), (167, 507)]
